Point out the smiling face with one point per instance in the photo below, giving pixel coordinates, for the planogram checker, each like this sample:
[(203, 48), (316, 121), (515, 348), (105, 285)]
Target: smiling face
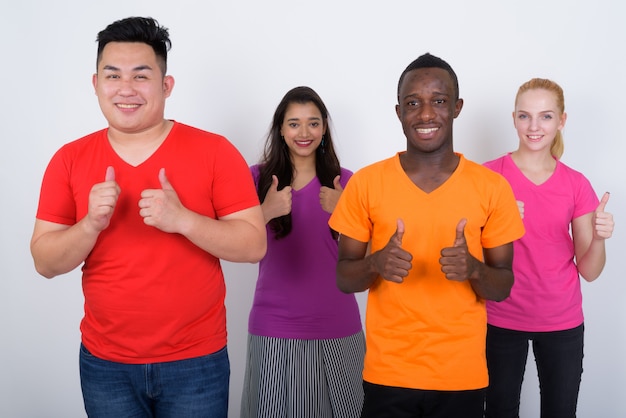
[(537, 119), (131, 88), (302, 130), (427, 106)]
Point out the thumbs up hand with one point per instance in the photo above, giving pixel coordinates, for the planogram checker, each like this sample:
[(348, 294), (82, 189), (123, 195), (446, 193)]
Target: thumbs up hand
[(393, 262), (102, 200), (456, 262), (161, 208), (277, 203), (602, 222), (330, 196)]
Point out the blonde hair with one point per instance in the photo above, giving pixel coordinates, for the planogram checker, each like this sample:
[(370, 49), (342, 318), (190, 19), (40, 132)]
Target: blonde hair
[(557, 147)]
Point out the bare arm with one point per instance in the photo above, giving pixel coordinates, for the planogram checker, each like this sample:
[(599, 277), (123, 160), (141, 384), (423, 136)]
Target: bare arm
[(58, 248), (357, 270), (237, 237), (589, 233), (492, 279)]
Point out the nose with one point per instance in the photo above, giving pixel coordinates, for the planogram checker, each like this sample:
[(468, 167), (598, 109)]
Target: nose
[(304, 131), (426, 112), (126, 87)]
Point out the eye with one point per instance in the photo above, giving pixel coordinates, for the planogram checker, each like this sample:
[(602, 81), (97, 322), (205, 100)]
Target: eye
[(547, 117), (293, 125), (439, 101), (412, 103), (522, 116), (315, 124), (112, 76)]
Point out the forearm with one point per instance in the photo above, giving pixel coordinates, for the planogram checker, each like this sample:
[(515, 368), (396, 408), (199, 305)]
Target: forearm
[(230, 239), (591, 264), (355, 276), (60, 251), (492, 283)]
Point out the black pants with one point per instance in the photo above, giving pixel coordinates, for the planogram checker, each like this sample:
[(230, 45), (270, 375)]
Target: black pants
[(559, 359), (394, 402)]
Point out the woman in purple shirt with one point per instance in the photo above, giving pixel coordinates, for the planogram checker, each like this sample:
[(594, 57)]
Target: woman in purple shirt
[(305, 343)]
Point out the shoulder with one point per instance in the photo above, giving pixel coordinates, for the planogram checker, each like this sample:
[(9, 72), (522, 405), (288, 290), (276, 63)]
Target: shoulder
[(81, 145), (569, 171), (482, 172), (186, 131), (495, 164), (377, 167)]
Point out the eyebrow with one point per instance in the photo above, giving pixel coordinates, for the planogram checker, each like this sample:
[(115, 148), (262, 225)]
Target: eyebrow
[(138, 68), (312, 118)]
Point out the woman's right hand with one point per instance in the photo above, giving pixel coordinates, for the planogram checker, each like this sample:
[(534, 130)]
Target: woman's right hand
[(277, 203)]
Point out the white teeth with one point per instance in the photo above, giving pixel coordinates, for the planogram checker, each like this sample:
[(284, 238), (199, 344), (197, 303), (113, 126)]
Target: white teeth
[(427, 131), (127, 106), (534, 136)]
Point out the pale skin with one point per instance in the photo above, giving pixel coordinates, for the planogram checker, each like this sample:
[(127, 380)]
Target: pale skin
[(131, 91), (302, 130), (426, 109), (537, 119)]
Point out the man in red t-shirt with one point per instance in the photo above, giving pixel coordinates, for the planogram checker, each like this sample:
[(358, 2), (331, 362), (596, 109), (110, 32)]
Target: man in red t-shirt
[(148, 206)]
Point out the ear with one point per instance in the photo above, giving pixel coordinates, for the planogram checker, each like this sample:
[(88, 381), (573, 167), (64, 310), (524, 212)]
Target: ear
[(398, 111), (94, 81), (168, 85), (457, 107), (562, 122), (514, 120)]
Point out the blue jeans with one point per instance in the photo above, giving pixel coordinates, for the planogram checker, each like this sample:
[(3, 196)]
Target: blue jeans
[(196, 387), (559, 359)]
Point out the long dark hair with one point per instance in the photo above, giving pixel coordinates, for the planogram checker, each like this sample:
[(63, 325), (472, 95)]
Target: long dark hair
[(277, 161)]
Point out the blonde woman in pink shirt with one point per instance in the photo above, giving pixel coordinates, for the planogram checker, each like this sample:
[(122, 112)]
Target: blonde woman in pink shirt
[(545, 305)]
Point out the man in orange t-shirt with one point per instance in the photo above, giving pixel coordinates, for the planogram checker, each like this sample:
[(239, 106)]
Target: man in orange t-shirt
[(441, 230)]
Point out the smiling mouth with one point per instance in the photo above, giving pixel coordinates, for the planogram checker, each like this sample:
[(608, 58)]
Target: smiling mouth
[(426, 130), (304, 143), (127, 106)]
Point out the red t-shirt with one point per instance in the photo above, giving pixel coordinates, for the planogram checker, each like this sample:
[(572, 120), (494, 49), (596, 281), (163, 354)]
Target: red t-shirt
[(150, 296)]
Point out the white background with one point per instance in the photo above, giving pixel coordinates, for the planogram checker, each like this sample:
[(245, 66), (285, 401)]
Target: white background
[(233, 61)]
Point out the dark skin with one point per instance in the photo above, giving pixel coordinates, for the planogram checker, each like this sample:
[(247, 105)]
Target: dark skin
[(427, 107)]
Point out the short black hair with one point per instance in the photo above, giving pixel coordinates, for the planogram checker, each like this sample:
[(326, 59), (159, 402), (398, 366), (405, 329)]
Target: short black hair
[(137, 29), (430, 61)]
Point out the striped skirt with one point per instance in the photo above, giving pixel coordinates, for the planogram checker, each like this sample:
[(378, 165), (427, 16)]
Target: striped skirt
[(288, 378)]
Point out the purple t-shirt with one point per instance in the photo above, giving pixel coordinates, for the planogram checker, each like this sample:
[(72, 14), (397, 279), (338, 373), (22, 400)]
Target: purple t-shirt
[(546, 294), (296, 293)]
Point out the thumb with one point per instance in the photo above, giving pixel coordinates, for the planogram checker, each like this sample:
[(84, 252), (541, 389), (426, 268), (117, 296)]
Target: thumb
[(274, 182), (460, 233), (165, 183), (603, 202), (399, 231), (110, 174), (337, 183)]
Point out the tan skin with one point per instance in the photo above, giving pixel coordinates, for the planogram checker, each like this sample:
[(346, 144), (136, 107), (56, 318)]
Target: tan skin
[(427, 108), (131, 91), (537, 119), (302, 131)]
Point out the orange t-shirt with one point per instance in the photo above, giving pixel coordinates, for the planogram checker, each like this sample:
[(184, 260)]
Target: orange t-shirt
[(428, 332)]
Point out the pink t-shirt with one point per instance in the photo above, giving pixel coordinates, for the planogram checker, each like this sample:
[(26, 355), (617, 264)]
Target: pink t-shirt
[(546, 295)]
